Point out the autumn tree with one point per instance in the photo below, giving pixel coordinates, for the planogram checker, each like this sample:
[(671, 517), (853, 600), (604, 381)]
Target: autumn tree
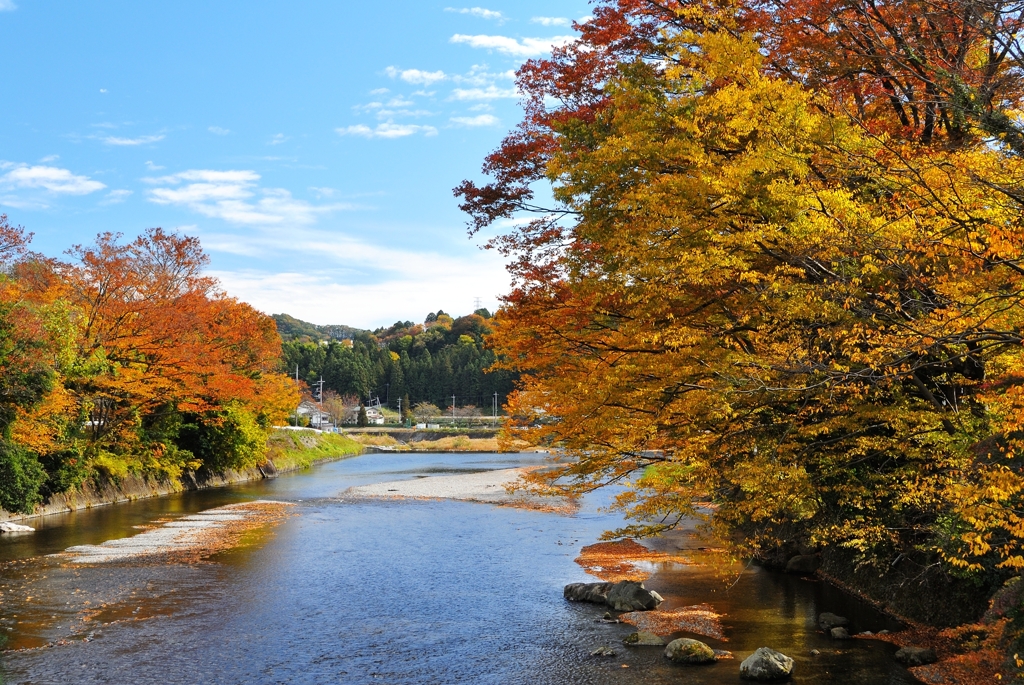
[(749, 294)]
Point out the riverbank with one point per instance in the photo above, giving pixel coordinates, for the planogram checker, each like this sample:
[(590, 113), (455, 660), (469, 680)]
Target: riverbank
[(414, 440), (286, 451), (489, 487)]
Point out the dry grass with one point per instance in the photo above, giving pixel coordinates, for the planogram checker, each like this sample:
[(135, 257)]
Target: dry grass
[(700, 619), (373, 439)]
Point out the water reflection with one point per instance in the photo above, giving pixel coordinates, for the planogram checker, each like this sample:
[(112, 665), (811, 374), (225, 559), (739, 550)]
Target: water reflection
[(395, 592)]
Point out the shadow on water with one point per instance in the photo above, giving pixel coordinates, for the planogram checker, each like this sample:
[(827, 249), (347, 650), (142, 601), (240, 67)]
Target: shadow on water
[(393, 592)]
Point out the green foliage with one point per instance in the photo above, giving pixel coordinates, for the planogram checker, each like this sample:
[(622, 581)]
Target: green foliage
[(424, 363), (65, 470), (228, 439), (363, 421), (21, 478)]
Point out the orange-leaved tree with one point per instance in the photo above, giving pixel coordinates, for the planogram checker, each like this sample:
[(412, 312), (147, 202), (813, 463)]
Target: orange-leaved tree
[(748, 293)]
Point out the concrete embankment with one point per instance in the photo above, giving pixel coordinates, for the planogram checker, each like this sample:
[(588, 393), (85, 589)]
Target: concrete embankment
[(286, 451)]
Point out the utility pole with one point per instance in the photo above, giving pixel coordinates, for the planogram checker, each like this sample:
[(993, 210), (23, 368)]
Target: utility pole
[(300, 398), (453, 411), (495, 407), (320, 400), (400, 410)]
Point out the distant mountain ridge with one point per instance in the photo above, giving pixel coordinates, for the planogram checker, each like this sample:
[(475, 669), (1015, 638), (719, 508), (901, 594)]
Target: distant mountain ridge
[(291, 328)]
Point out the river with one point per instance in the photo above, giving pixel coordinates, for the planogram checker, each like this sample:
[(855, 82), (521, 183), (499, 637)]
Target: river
[(350, 591)]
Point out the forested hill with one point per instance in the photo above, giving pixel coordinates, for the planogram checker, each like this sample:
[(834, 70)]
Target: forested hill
[(291, 328), (417, 363)]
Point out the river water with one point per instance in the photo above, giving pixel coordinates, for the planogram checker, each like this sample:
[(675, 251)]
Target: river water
[(348, 591)]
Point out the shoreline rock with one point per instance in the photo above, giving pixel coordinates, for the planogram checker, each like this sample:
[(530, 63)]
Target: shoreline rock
[(625, 595), (766, 665), (691, 652)]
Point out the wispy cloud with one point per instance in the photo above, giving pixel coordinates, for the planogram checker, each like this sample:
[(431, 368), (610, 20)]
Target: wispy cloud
[(377, 283), (141, 140), (53, 179), (277, 139), (380, 91), (7, 6), (153, 167), (387, 130), (488, 93), (115, 197), (478, 12), (219, 131), (415, 76), (515, 47), (49, 158), (551, 21), (234, 196), (479, 120)]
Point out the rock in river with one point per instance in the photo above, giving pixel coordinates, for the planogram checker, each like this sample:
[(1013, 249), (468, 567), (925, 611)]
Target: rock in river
[(803, 564), (644, 638), (626, 595), (687, 651), (766, 665), (8, 527), (829, 621), (839, 633), (916, 656)]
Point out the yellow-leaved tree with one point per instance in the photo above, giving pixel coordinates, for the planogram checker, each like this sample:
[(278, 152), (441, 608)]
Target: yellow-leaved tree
[(747, 299)]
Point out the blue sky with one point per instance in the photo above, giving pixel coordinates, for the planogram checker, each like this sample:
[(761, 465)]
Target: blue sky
[(312, 146)]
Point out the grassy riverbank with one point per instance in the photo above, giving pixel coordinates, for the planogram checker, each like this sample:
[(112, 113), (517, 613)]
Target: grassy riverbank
[(290, 450)]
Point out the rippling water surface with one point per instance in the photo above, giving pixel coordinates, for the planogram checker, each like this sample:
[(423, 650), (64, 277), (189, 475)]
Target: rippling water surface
[(384, 592)]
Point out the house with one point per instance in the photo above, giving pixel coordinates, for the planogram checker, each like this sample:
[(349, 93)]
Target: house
[(374, 416), (317, 417)]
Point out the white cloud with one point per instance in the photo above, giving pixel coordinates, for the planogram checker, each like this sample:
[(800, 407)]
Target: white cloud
[(7, 6), (232, 196), (477, 12), (387, 130), (219, 131), (479, 120), (103, 90), (482, 107), (277, 139), (522, 47), (551, 21), (53, 179), (371, 285), (488, 93), (49, 158), (115, 197), (153, 167), (379, 91), (392, 113), (141, 140), (415, 76)]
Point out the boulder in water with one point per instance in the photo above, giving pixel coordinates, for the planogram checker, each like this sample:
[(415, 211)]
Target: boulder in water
[(626, 595), (916, 656), (803, 564), (587, 592), (629, 595), (766, 665), (828, 621), (644, 638), (839, 633), (8, 527), (687, 651)]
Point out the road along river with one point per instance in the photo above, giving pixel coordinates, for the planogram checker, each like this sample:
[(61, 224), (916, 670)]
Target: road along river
[(339, 587)]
